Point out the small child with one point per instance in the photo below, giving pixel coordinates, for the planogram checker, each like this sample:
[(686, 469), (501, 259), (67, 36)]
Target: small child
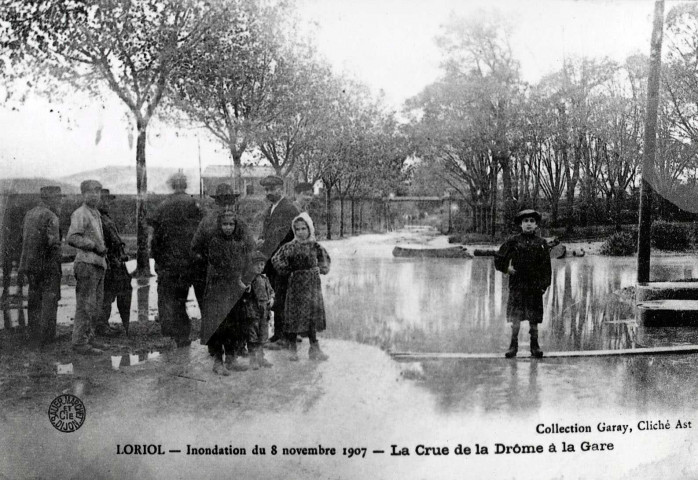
[(257, 302), (303, 259), (526, 259)]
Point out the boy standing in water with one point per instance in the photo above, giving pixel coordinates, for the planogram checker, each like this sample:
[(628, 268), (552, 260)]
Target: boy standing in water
[(258, 300), (526, 259)]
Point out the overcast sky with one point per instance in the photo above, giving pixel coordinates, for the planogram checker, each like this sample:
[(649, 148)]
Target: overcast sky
[(388, 44)]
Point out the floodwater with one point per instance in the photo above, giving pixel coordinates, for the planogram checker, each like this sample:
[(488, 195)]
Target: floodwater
[(362, 398), (459, 305)]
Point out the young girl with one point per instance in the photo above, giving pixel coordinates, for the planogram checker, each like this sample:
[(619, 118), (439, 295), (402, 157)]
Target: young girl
[(303, 259), (227, 252)]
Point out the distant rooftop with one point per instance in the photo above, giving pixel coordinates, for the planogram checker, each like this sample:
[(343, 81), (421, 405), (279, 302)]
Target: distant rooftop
[(247, 171)]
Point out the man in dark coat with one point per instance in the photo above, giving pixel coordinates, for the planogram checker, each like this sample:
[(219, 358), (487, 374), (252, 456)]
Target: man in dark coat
[(41, 263), (277, 231), (174, 223), (117, 281), (526, 259)]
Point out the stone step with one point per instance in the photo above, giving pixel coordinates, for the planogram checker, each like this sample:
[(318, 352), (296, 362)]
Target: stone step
[(667, 291), (668, 313)]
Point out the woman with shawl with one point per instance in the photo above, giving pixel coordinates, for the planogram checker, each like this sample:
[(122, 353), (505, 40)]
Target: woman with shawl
[(303, 259)]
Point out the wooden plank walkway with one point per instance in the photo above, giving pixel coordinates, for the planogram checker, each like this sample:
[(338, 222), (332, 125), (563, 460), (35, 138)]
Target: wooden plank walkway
[(673, 350)]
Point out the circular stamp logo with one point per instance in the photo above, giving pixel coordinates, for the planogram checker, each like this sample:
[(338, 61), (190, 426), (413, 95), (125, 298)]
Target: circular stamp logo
[(66, 413)]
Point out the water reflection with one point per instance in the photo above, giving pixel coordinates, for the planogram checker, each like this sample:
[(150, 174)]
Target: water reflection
[(454, 305), (64, 369), (130, 360)]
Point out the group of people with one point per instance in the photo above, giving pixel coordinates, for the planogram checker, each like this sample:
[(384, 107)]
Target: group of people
[(239, 282), (100, 268)]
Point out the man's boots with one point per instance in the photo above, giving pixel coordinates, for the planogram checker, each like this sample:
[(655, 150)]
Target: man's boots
[(536, 352), (232, 365), (513, 348), (218, 367)]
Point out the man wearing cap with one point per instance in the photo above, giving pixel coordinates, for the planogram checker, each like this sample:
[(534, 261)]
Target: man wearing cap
[(85, 234), (40, 261), (304, 195), (117, 281), (276, 231), (174, 223)]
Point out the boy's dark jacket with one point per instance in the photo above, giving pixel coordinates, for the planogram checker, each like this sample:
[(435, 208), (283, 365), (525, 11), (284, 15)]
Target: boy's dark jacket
[(530, 256), (256, 300)]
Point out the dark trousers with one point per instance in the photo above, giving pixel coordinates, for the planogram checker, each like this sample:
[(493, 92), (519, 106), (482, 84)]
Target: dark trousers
[(42, 305), (123, 304), (173, 290)]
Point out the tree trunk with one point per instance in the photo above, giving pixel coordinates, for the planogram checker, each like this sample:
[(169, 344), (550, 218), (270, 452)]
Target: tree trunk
[(142, 255), (361, 216), (509, 206), (341, 217), (353, 217), (237, 170), (493, 215), (328, 213)]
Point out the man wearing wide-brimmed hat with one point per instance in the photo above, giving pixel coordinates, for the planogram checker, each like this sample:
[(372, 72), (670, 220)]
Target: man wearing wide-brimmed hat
[(117, 280), (277, 231), (174, 222), (41, 263), (85, 234)]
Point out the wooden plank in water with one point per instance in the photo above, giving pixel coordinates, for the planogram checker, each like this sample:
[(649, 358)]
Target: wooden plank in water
[(673, 350)]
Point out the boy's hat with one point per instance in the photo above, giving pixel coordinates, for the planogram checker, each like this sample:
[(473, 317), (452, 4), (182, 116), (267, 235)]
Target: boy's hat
[(271, 181), (90, 186), (258, 256), (50, 192), (529, 212)]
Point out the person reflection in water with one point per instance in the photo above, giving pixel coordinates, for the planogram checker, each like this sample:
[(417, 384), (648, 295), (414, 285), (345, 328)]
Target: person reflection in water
[(526, 259)]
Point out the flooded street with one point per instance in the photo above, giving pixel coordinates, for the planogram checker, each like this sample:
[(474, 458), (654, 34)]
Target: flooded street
[(363, 398)]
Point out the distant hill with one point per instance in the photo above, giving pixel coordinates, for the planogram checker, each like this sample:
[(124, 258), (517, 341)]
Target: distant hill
[(32, 185), (122, 180)]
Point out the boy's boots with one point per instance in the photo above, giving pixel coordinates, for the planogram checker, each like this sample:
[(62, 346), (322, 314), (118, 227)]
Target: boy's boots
[(261, 361), (314, 353), (218, 367), (536, 352), (513, 348), (254, 364)]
